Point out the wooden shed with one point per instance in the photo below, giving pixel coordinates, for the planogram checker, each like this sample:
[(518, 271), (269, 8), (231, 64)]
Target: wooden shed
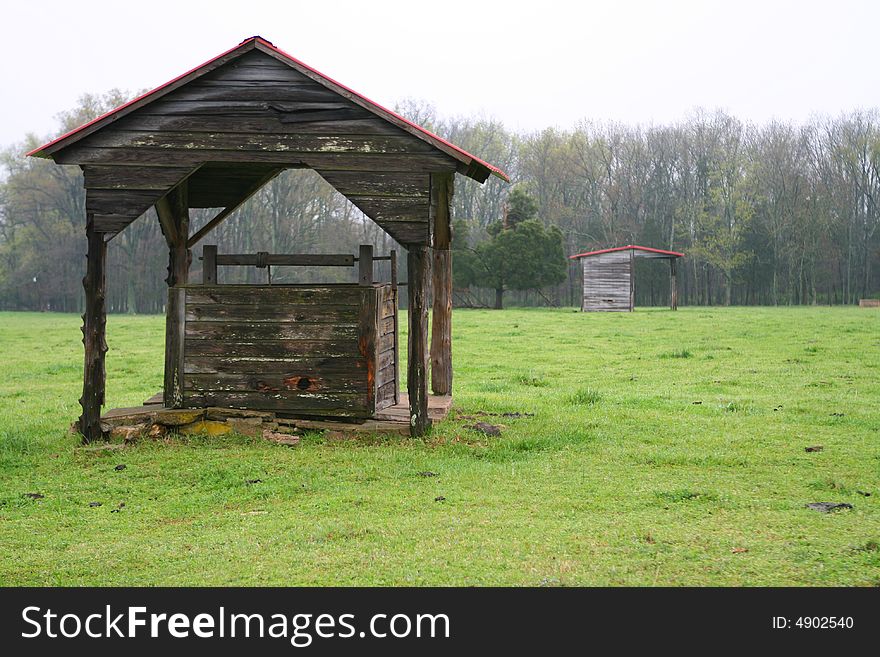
[(211, 138), (609, 277)]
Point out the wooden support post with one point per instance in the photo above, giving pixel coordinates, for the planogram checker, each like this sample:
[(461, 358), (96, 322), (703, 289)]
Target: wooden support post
[(173, 213), (365, 264), (393, 258), (175, 324), (209, 264), (417, 365), (441, 322), (673, 288), (94, 336), (632, 280)]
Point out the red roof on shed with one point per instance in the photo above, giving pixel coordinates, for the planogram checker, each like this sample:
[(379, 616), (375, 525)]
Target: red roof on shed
[(628, 247), (459, 153)]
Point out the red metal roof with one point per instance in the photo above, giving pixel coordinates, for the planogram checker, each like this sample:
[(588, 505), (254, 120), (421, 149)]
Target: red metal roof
[(429, 136), (628, 247)]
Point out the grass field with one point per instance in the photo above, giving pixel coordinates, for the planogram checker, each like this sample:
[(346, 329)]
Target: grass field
[(665, 449)]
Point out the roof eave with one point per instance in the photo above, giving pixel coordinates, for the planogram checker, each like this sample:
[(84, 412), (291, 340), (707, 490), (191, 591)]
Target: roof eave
[(628, 247)]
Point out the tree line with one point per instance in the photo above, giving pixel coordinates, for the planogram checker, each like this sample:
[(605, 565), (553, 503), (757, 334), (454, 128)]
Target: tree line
[(776, 213)]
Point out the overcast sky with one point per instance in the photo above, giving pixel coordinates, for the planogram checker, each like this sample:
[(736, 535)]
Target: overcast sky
[(531, 65)]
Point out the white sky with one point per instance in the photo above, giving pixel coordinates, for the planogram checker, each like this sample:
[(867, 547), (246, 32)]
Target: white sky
[(530, 64)]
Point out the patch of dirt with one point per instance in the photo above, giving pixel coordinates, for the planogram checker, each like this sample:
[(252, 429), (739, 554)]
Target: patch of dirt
[(485, 427), (510, 414), (814, 448), (828, 507), (34, 496)]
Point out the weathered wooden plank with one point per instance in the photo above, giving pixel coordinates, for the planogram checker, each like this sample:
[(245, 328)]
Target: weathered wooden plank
[(134, 178), (385, 342), (308, 363), (414, 232), (270, 312), (347, 122), (323, 161), (271, 350), (230, 108), (385, 375), (267, 142), (386, 359), (378, 185), (385, 396), (338, 295), (112, 223), (386, 325), (256, 74), (387, 308), (121, 201), (256, 331), (392, 208), (338, 404), (300, 382), (254, 90)]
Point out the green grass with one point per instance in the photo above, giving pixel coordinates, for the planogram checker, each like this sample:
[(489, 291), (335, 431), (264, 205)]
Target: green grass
[(660, 443)]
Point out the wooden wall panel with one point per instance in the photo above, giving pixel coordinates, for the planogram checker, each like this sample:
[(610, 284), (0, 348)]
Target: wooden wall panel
[(607, 282), (308, 350)]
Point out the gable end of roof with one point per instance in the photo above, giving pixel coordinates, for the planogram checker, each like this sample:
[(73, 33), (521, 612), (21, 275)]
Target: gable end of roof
[(469, 164)]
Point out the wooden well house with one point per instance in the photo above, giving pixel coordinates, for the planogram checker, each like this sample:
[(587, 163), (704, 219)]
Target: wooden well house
[(211, 138), (609, 277)]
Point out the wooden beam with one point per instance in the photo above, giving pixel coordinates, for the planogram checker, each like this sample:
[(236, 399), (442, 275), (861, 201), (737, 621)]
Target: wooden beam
[(178, 218), (223, 214), (209, 264), (417, 374), (179, 257), (441, 326), (365, 264), (287, 259), (175, 327), (166, 220), (394, 292), (94, 336), (632, 281)]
